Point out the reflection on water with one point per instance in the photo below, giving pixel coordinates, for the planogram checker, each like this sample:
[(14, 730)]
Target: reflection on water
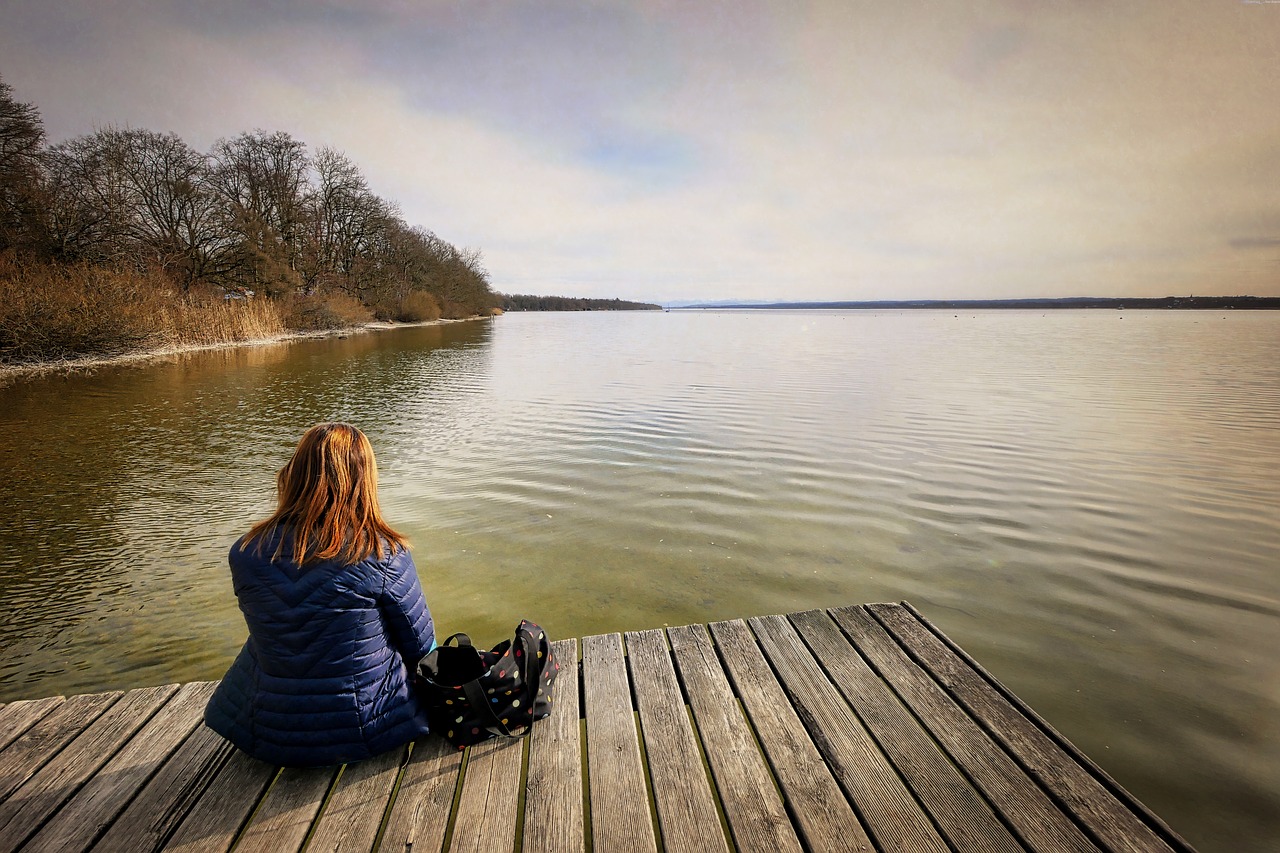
[(1087, 501), (123, 491)]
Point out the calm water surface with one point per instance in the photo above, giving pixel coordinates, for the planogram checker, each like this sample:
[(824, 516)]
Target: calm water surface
[(1089, 502)]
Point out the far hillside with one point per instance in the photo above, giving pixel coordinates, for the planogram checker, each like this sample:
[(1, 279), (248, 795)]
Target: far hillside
[(1212, 303), (525, 302)]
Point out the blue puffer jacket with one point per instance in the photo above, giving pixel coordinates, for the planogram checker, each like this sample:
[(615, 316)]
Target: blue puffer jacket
[(324, 677)]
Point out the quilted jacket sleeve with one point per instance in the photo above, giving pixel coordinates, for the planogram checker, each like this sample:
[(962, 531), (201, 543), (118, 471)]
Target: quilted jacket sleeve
[(405, 610)]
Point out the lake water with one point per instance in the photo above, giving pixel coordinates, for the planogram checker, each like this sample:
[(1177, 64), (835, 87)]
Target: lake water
[(1088, 502)]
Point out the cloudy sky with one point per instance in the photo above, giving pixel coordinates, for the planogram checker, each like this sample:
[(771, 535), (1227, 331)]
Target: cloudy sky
[(707, 149)]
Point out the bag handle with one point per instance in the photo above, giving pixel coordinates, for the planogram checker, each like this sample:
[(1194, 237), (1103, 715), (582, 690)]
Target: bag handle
[(524, 635), (478, 701), (428, 668), (465, 641)]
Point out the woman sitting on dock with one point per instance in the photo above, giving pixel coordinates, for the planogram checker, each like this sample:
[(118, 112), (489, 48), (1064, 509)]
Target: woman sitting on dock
[(336, 617)]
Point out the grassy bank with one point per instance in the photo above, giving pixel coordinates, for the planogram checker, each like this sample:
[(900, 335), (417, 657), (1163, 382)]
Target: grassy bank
[(126, 240), (54, 313), (59, 317)]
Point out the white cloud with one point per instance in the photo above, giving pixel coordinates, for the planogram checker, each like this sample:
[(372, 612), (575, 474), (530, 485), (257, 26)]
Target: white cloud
[(674, 151)]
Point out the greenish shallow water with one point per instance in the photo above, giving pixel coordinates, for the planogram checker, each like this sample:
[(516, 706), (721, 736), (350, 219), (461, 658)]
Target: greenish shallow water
[(1089, 502)]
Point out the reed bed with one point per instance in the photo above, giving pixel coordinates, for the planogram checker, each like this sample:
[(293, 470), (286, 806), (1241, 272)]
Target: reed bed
[(52, 314), (59, 313), (416, 307), (191, 322)]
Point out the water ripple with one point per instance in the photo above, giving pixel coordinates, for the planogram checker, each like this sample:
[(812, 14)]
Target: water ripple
[(1086, 505)]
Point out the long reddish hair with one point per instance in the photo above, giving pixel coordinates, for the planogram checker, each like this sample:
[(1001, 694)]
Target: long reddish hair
[(328, 501)]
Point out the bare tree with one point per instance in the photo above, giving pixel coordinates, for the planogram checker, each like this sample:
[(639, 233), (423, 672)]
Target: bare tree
[(86, 202), (135, 197), (174, 217), (21, 138), (256, 212), (350, 227), (261, 183)]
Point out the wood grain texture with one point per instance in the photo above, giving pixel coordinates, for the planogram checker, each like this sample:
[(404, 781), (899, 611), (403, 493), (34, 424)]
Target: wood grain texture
[(809, 723), (887, 809), (41, 795), (958, 810), (22, 758), (360, 798), (553, 796), (87, 814), (681, 790), (1112, 824), (215, 820), (420, 814), (287, 812), (487, 810), (1038, 822), (1166, 832), (17, 717), (168, 796), (753, 807), (620, 817), (819, 807)]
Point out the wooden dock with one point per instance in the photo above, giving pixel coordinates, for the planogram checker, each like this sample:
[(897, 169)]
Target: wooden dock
[(858, 728)]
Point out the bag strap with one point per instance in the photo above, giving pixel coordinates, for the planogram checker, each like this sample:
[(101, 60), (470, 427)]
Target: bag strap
[(524, 637), (480, 702), (465, 641)]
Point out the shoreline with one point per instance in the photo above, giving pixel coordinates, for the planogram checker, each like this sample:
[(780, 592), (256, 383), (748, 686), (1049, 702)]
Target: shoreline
[(11, 373)]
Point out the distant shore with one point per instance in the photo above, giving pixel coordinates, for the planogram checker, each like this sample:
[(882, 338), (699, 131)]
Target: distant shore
[(1210, 303), (10, 373)]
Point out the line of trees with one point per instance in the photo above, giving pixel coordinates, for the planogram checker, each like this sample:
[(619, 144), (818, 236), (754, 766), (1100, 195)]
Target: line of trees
[(526, 302), (258, 214)]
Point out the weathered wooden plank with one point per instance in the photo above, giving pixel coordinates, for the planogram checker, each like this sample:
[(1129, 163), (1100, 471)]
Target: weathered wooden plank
[(957, 808), (94, 806), (489, 805), (286, 813), (420, 814), (223, 808), (553, 809), (167, 797), (26, 755), (17, 717), (752, 805), (110, 774), (686, 805), (824, 816), (1038, 822), (28, 807), (1139, 809), (360, 798), (1110, 822), (620, 818), (888, 811)]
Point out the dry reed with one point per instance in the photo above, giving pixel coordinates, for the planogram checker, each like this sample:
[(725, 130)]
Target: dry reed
[(53, 313), (418, 306), (324, 312), (195, 323)]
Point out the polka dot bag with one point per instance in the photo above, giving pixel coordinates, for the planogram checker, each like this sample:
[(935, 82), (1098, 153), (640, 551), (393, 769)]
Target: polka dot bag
[(473, 695)]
